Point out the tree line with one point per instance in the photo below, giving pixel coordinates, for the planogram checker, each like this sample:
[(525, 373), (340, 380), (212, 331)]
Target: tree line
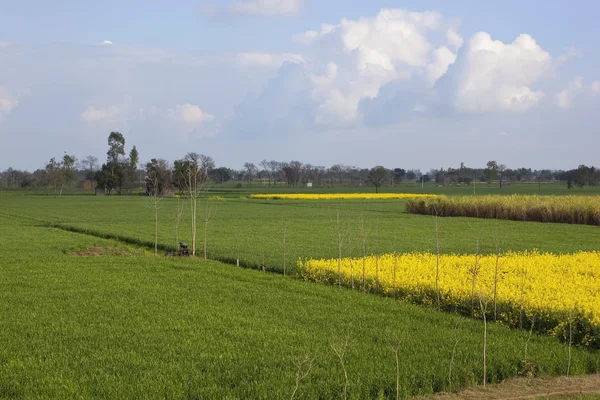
[(122, 173)]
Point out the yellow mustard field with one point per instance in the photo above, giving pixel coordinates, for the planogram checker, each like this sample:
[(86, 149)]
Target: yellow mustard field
[(340, 196), (556, 292)]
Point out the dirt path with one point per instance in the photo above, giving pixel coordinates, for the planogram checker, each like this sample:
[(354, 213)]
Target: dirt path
[(587, 387)]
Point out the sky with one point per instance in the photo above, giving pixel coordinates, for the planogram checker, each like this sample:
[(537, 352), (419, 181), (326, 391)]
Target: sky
[(409, 84)]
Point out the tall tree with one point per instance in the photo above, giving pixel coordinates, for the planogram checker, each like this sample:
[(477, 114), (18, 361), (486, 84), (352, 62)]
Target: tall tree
[(115, 157), (377, 177), (158, 180), (134, 159)]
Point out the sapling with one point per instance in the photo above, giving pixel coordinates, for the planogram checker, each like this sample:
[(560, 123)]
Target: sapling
[(340, 351), (303, 367)]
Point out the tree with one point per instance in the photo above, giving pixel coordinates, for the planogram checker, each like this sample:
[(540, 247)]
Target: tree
[(89, 165), (134, 159), (502, 173), (250, 171), (491, 171), (68, 170), (158, 180), (397, 175), (220, 175), (115, 157), (158, 177), (54, 175), (293, 172), (377, 177), (194, 169)]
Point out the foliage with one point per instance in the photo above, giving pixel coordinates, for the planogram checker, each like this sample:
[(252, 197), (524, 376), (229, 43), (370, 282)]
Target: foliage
[(377, 177)]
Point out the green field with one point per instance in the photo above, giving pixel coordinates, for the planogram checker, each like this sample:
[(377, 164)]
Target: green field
[(128, 324)]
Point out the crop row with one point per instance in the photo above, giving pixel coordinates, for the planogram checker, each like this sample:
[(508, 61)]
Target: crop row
[(562, 209), (341, 196), (558, 294)]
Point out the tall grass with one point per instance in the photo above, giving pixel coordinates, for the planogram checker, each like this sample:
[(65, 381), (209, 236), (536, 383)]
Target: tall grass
[(562, 209)]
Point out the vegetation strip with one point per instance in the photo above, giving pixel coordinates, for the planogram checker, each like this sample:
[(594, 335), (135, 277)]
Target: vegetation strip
[(555, 294), (341, 196), (561, 209)]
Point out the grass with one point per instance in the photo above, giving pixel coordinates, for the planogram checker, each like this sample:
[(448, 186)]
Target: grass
[(137, 326), (252, 230)]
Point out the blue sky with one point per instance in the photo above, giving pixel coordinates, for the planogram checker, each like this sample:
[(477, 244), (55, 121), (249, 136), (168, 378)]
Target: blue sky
[(412, 84)]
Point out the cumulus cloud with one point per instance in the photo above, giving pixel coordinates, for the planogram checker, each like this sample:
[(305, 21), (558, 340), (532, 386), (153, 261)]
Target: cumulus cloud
[(267, 60), (564, 99), (596, 87), (8, 102), (189, 114), (354, 59), (265, 8), (110, 114), (106, 42), (494, 76)]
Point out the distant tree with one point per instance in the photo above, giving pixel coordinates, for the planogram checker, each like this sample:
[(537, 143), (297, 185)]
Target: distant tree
[(131, 169), (89, 166), (377, 177), (397, 175), (221, 175), (54, 175), (250, 171), (158, 177), (293, 172), (502, 173), (411, 175), (491, 171), (68, 170), (158, 180)]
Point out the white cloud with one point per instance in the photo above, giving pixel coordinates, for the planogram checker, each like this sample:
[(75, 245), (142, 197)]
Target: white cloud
[(596, 87), (110, 114), (8, 102), (267, 8), (189, 114), (106, 42), (267, 59), (495, 76), (564, 99), (454, 39), (368, 53)]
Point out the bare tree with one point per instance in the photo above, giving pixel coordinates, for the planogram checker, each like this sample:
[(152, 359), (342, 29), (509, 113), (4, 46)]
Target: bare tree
[(363, 240), (208, 215), (250, 171), (266, 169), (340, 351), (158, 178), (195, 179), (89, 165), (53, 173), (303, 367)]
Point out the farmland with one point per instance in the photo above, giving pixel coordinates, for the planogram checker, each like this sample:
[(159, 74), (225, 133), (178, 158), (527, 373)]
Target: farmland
[(89, 310)]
